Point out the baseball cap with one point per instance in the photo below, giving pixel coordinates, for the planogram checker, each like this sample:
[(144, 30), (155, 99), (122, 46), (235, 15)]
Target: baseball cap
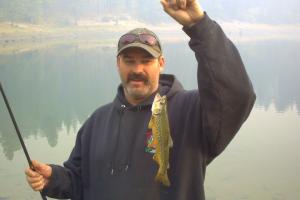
[(141, 38)]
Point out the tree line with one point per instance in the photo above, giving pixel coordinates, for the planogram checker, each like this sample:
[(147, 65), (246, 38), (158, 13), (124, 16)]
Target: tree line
[(68, 12)]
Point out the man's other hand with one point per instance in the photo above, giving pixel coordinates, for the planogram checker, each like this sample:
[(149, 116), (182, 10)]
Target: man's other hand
[(39, 177)]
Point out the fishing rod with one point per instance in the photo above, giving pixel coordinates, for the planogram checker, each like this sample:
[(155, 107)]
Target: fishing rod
[(18, 133)]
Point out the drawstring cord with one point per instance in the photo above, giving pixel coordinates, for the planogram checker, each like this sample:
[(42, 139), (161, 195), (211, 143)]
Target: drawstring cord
[(112, 163), (131, 146)]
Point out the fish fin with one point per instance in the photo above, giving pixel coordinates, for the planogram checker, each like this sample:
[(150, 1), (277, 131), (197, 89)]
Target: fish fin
[(170, 141), (150, 125), (163, 178), (155, 158)]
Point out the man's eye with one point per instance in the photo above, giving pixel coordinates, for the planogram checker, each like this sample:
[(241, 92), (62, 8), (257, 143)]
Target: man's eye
[(146, 61), (129, 61)]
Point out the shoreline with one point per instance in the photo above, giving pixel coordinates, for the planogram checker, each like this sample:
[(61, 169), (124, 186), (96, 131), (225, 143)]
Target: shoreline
[(20, 37)]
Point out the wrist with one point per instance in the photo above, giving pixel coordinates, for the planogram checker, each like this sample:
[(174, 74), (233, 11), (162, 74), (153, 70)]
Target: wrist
[(195, 20)]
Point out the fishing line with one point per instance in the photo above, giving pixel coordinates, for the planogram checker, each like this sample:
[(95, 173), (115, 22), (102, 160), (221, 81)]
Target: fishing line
[(18, 133)]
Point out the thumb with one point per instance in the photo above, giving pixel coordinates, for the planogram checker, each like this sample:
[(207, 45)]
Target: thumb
[(42, 168)]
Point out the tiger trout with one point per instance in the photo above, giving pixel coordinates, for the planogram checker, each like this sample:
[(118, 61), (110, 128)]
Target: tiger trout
[(159, 124)]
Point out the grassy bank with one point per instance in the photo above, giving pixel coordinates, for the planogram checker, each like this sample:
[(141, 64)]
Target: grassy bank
[(19, 37)]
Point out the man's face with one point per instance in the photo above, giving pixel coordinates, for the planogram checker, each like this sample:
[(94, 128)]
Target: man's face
[(139, 73)]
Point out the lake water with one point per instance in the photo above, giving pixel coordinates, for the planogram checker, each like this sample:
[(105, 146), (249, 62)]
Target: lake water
[(53, 90)]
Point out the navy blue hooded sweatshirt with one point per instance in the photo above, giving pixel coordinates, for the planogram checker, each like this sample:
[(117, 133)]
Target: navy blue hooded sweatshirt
[(110, 160)]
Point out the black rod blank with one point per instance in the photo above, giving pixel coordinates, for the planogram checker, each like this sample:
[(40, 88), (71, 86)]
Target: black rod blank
[(18, 132)]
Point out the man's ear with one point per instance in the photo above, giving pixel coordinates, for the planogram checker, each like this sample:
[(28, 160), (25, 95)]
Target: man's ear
[(161, 61)]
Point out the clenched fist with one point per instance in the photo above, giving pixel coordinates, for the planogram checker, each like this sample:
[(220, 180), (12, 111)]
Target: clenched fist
[(185, 12), (39, 177)]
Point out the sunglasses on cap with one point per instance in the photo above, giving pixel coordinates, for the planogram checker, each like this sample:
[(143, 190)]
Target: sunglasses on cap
[(142, 38)]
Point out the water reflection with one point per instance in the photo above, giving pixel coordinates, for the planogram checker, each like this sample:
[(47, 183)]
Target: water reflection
[(274, 70), (60, 86), (52, 87)]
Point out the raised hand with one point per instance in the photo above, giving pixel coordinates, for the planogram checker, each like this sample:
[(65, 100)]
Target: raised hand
[(185, 12)]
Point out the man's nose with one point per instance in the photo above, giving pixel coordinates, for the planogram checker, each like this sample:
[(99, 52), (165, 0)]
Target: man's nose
[(138, 67)]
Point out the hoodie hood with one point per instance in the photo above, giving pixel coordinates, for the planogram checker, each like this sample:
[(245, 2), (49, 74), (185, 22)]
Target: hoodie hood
[(168, 85)]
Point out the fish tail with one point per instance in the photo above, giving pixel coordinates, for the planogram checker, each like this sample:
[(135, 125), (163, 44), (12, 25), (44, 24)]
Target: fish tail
[(163, 178)]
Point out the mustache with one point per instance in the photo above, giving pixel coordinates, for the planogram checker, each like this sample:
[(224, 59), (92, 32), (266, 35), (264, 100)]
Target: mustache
[(137, 77)]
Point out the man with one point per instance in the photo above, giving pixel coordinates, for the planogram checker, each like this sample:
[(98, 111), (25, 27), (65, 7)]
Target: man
[(111, 158)]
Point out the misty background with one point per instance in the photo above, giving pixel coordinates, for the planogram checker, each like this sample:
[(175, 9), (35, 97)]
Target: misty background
[(69, 12), (57, 65)]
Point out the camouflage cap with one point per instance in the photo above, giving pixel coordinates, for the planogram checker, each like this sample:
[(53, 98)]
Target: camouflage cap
[(154, 49)]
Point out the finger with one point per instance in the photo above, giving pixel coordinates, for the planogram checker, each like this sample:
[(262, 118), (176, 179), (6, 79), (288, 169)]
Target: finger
[(40, 188), (181, 4), (37, 186), (42, 168), (172, 4), (34, 179), (29, 172), (164, 3), (167, 8), (37, 165), (192, 3)]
